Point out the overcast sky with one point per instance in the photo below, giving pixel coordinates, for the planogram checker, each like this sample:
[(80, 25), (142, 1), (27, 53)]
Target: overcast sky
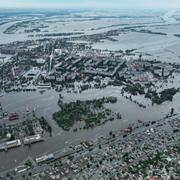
[(89, 3)]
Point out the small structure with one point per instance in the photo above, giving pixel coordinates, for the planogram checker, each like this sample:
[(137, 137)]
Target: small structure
[(32, 139), (45, 158), (10, 144), (13, 116)]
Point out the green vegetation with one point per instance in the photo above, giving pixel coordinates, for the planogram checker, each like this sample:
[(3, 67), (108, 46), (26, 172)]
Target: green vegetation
[(115, 83), (44, 124), (144, 165), (177, 148), (29, 130), (92, 112), (3, 132), (28, 163), (159, 98), (151, 161), (134, 89)]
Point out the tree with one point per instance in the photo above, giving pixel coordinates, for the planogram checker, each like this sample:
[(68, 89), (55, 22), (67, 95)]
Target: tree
[(172, 111)]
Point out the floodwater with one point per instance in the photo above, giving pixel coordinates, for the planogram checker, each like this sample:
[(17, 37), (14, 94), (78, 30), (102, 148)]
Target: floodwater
[(45, 104)]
